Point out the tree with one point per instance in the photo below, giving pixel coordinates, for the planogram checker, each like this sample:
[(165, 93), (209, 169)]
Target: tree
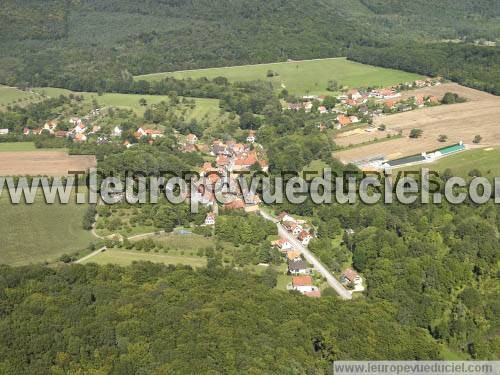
[(477, 139), (143, 102), (442, 138), (416, 133), (329, 102), (332, 86)]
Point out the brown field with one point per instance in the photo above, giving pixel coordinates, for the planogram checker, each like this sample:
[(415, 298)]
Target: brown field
[(460, 122), (48, 163)]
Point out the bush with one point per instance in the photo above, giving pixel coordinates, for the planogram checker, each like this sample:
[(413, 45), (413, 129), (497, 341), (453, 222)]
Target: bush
[(416, 133)]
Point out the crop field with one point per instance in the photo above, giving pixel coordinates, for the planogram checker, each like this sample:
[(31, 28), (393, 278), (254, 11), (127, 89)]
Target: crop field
[(301, 77), (459, 122), (38, 232), (12, 95), (48, 163)]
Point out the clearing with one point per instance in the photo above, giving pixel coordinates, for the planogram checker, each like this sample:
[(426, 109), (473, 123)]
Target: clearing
[(40, 232), (43, 163), (459, 122), (301, 77)]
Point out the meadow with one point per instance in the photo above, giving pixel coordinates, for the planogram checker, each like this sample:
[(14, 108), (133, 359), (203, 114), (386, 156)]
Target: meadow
[(486, 160), (301, 77), (12, 95), (204, 107), (17, 146), (40, 232)]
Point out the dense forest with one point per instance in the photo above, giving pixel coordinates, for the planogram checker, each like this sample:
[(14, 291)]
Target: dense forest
[(85, 43), (156, 319)]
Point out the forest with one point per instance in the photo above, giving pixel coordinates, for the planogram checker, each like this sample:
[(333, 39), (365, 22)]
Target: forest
[(84, 44)]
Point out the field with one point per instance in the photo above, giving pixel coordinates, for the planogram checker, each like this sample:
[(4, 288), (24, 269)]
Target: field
[(12, 95), (459, 122), (49, 163), (204, 107), (17, 146), (124, 257), (301, 77), (40, 232), (486, 160)]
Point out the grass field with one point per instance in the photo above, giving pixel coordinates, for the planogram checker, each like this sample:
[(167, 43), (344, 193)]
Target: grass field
[(17, 146), (204, 107), (301, 77), (40, 232), (485, 160), (11, 95), (124, 257)]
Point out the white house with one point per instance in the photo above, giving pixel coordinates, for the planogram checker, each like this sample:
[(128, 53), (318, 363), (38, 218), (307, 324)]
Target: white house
[(210, 219), (305, 237), (351, 276), (4, 131), (303, 284), (297, 267), (117, 132), (251, 136)]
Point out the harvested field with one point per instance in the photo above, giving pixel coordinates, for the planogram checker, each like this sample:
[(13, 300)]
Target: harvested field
[(49, 163), (459, 122)]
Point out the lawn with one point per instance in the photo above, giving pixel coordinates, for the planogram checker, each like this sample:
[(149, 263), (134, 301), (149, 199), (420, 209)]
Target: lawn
[(12, 95), (302, 77), (204, 107), (486, 160), (124, 257), (40, 232), (17, 146)]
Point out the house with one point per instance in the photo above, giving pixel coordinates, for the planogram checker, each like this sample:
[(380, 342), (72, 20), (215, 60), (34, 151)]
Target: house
[(251, 136), (295, 106), (222, 161), (26, 131), (419, 101), (207, 168), (292, 227), (264, 165), (302, 284), (127, 144), (219, 148), (297, 267), (282, 244), (4, 131), (245, 161), (236, 204), (308, 106), (80, 128), (153, 133), (293, 255), (285, 217), (351, 276), (354, 119), (354, 94), (210, 219), (191, 138), (433, 99), (343, 120), (96, 129), (80, 137), (322, 109), (304, 237), (50, 126), (117, 132), (61, 134)]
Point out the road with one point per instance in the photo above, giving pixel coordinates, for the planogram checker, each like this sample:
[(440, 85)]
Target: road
[(98, 251), (310, 258)]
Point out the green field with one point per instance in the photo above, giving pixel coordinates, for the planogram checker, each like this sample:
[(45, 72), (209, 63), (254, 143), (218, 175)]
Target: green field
[(124, 257), (17, 146), (487, 161), (204, 107), (302, 77), (11, 95), (40, 232)]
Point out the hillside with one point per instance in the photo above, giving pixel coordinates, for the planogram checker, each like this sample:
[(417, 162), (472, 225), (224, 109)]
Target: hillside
[(83, 44)]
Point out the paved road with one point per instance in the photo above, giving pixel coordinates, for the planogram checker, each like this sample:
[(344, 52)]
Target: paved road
[(310, 258)]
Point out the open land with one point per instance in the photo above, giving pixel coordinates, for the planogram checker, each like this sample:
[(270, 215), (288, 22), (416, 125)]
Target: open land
[(301, 77), (480, 115), (46, 163), (43, 231)]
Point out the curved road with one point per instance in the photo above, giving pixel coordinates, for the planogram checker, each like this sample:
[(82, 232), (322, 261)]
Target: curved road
[(310, 258)]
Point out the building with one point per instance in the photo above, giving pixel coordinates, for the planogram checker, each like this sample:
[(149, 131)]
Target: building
[(293, 255), (343, 120), (354, 94), (282, 244), (4, 131), (251, 136), (351, 276), (210, 219), (191, 138), (304, 237), (297, 267), (303, 284)]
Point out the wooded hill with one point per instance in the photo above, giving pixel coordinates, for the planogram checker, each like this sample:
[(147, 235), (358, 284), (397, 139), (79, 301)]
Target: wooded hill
[(59, 42)]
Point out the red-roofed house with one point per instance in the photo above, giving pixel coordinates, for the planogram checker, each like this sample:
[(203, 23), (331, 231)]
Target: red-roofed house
[(304, 237), (351, 276), (303, 284), (343, 120)]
